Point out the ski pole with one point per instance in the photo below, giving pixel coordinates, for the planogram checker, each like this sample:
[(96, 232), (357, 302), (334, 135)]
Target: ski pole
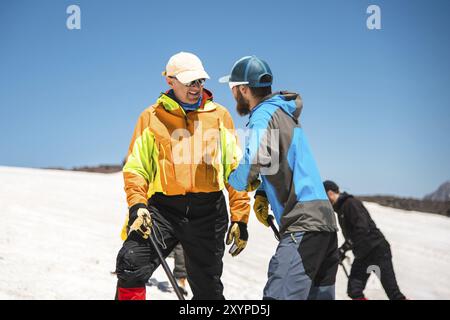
[(166, 268), (273, 227)]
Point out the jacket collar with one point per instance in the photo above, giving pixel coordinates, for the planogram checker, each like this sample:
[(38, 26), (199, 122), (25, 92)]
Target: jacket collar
[(171, 105)]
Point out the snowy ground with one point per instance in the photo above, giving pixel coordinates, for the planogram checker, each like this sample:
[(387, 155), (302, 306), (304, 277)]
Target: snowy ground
[(59, 235)]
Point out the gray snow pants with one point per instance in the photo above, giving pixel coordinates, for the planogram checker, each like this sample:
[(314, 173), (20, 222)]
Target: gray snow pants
[(304, 267)]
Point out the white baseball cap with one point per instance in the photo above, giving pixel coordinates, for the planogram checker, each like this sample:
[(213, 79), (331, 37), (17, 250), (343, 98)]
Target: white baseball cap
[(186, 67)]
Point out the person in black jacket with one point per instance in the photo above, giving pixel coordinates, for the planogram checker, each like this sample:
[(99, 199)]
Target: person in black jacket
[(369, 246)]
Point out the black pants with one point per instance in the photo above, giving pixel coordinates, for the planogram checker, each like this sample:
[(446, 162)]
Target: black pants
[(380, 257), (199, 222)]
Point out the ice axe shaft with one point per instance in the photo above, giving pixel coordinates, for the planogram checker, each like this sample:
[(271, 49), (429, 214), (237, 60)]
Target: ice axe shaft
[(166, 268), (273, 227), (341, 263)]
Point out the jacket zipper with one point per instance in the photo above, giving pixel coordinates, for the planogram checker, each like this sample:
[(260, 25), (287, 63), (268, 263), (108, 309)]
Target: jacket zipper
[(190, 164), (187, 205)]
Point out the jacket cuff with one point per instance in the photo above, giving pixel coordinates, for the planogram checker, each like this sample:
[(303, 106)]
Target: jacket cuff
[(132, 212), (239, 217), (348, 245), (260, 192)]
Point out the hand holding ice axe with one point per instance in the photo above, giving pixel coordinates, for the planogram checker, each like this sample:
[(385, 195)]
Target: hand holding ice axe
[(261, 208)]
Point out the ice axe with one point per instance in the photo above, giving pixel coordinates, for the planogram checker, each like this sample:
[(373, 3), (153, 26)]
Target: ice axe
[(341, 263), (273, 227)]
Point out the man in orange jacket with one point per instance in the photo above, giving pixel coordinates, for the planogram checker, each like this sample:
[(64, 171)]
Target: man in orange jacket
[(182, 151)]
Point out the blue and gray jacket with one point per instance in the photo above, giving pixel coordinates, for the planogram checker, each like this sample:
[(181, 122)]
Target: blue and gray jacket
[(278, 152)]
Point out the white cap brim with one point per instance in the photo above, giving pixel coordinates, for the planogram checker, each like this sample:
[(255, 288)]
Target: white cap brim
[(238, 83), (226, 79), (188, 76)]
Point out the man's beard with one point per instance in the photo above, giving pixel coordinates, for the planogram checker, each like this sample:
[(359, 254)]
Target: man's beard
[(242, 106)]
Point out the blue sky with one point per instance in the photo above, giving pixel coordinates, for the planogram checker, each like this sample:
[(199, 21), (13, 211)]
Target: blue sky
[(376, 102)]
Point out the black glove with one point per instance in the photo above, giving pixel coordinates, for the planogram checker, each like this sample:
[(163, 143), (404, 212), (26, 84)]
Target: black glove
[(343, 249), (238, 233), (342, 255)]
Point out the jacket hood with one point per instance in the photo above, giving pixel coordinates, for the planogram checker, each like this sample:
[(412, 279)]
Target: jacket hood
[(290, 102), (342, 197)]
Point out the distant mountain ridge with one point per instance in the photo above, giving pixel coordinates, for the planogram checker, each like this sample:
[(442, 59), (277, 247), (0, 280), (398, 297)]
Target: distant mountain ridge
[(441, 194), (436, 202), (438, 207), (103, 168)]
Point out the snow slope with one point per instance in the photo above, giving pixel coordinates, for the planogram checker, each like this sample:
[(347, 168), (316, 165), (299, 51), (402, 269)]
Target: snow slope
[(59, 236)]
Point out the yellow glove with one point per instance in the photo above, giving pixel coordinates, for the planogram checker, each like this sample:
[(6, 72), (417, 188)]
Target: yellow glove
[(238, 233), (253, 185), (142, 223), (261, 208)]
